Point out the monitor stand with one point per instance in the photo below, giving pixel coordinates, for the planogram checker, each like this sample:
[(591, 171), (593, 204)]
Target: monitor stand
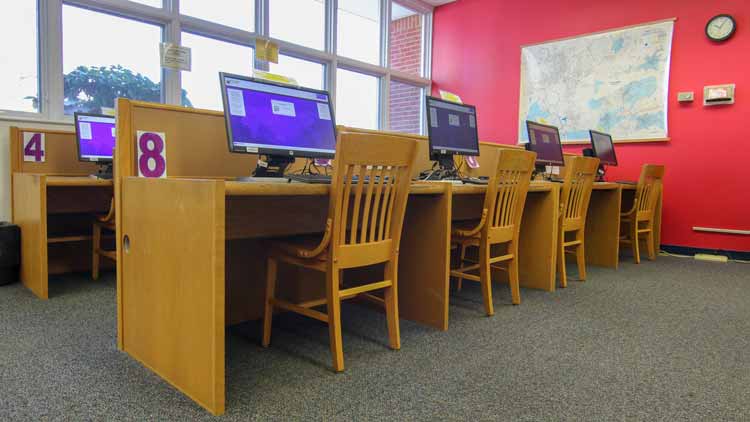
[(271, 169), (104, 171), (446, 168), (600, 173)]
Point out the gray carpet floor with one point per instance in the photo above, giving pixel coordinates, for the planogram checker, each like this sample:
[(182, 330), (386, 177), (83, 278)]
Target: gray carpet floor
[(666, 340)]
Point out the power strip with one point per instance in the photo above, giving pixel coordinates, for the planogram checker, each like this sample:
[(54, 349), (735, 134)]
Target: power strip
[(711, 258)]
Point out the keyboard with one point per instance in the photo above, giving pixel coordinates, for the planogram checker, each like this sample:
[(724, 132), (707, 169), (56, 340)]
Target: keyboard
[(626, 182), (475, 180), (319, 179), (253, 179)]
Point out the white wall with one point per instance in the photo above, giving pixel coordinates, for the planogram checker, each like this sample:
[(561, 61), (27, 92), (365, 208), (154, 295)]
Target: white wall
[(5, 157)]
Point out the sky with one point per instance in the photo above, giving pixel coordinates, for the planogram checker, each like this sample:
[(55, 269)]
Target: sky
[(96, 39)]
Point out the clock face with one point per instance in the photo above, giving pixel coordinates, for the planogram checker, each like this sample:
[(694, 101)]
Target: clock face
[(720, 27)]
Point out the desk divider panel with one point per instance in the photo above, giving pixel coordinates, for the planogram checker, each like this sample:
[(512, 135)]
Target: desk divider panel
[(60, 155)]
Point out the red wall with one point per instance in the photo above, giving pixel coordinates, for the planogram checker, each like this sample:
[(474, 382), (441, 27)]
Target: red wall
[(476, 54)]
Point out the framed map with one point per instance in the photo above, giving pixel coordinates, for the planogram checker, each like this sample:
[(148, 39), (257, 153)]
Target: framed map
[(614, 82)]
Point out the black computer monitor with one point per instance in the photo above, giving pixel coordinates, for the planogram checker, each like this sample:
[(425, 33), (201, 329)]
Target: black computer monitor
[(279, 121), (451, 129), (95, 140), (545, 141), (603, 147)]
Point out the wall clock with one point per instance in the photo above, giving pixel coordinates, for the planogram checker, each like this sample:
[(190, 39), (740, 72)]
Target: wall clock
[(721, 28)]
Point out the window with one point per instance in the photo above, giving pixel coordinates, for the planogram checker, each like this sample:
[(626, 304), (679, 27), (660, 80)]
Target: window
[(110, 48), (307, 73), (359, 30), (235, 13), (405, 107), (298, 21), (357, 98), (405, 40), (19, 83), (201, 86), (105, 57)]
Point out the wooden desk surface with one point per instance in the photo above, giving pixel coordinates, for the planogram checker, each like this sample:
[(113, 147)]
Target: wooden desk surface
[(77, 181), (417, 188), (606, 185)]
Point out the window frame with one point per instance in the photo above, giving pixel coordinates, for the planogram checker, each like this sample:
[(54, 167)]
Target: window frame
[(50, 54)]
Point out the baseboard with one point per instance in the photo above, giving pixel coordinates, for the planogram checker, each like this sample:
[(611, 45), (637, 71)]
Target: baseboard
[(684, 250)]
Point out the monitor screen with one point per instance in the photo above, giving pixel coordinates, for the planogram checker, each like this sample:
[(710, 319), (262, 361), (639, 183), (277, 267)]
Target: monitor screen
[(267, 118), (452, 128), (545, 141), (95, 135), (603, 147)]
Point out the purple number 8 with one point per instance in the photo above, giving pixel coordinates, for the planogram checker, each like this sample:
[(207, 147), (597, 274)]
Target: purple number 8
[(151, 151)]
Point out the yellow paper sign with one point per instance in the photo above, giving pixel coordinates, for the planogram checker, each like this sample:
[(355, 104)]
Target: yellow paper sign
[(449, 96), (274, 77), (266, 50)]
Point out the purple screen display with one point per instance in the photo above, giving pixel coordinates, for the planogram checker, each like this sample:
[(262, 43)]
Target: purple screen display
[(96, 137), (604, 149), (545, 141), (267, 116), (452, 127)]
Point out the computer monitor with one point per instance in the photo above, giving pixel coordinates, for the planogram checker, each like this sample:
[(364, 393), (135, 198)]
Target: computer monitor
[(603, 147), (545, 141), (95, 139), (279, 121), (451, 129)]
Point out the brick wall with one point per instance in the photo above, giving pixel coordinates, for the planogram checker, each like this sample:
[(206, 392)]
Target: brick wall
[(406, 56)]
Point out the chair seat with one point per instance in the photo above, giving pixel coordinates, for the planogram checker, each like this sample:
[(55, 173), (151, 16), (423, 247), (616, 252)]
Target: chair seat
[(295, 246)]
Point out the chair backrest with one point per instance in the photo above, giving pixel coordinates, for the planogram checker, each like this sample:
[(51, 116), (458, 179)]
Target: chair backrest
[(507, 189), (648, 189), (367, 213), (580, 173)]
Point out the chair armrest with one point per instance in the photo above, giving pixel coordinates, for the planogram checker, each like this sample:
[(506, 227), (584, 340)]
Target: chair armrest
[(475, 230), (312, 253)]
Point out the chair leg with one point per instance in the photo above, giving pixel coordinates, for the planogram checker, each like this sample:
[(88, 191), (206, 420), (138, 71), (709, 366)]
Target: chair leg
[(581, 257), (461, 264), (650, 245), (561, 271), (391, 310), (485, 277), (271, 269), (95, 245), (334, 318), (515, 290), (634, 240)]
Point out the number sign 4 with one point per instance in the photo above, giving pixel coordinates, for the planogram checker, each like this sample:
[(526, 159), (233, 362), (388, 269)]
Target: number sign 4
[(33, 147)]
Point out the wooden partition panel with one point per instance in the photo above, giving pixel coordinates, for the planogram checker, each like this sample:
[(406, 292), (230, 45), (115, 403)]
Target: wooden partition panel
[(60, 157), (196, 146), (173, 283), (61, 154), (31, 216)]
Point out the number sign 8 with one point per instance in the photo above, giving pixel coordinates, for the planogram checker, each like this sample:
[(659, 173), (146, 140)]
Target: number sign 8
[(152, 154)]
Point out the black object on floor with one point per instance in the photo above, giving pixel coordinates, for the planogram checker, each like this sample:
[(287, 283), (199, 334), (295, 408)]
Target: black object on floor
[(10, 253)]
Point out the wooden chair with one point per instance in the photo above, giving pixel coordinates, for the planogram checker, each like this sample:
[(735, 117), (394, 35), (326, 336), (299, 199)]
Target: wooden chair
[(369, 190), (500, 224), (580, 173), (640, 218), (106, 222)]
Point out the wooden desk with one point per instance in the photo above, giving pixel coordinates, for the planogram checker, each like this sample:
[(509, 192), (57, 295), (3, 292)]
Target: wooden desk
[(54, 213), (210, 269), (603, 225)]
